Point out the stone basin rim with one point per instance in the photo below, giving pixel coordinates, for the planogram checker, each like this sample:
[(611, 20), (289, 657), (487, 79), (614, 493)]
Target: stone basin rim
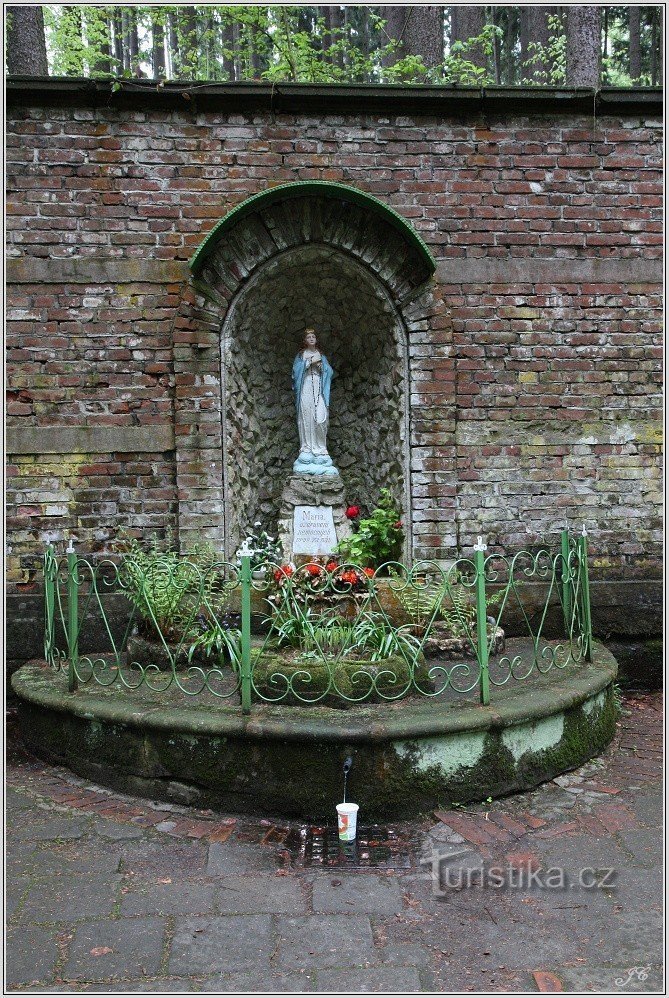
[(372, 724)]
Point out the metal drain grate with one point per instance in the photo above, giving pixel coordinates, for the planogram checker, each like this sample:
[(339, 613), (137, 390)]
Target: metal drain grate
[(375, 846)]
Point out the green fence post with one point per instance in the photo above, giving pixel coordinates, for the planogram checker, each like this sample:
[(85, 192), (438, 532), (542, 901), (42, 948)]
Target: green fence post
[(72, 619), (246, 628), (566, 590), (482, 620), (585, 588), (49, 603)]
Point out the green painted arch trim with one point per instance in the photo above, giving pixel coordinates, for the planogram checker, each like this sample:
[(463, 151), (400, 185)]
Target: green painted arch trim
[(311, 188)]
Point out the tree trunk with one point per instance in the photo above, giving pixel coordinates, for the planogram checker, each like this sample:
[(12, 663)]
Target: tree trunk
[(26, 47), (509, 45), (117, 21), (364, 31), (495, 15), (97, 26), (229, 48), (173, 50), (635, 44), (535, 28), (104, 65), (326, 37), (133, 42), (583, 46), (125, 37), (395, 18), (157, 48), (336, 25), (236, 48), (189, 52), (466, 23), (656, 35), (424, 34), (259, 61)]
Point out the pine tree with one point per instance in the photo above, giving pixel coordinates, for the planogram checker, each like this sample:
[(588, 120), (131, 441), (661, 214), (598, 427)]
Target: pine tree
[(583, 46), (26, 45)]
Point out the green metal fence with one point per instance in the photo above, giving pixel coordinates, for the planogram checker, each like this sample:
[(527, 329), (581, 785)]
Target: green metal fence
[(328, 634)]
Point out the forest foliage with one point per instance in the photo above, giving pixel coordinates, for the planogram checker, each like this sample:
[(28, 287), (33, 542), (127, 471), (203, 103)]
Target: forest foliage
[(336, 44)]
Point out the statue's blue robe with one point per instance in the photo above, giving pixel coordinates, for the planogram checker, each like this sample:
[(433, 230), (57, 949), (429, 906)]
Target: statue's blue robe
[(299, 368)]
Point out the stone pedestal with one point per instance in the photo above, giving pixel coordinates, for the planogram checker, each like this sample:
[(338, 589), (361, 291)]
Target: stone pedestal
[(322, 495)]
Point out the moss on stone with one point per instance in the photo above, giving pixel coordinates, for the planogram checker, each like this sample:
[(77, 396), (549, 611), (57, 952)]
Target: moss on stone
[(296, 682)]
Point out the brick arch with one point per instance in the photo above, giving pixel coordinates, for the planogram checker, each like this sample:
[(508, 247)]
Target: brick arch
[(316, 218), (314, 211)]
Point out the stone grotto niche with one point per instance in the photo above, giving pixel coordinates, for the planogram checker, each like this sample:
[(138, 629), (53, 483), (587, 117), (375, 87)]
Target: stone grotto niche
[(364, 339)]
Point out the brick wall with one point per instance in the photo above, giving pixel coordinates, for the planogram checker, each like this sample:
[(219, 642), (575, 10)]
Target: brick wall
[(535, 370)]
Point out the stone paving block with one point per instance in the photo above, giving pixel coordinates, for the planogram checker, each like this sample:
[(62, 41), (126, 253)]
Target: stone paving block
[(31, 954), (408, 954), (178, 898), (632, 938), (249, 894), (576, 852), (15, 891), (66, 900), (69, 863), (264, 981), (616, 979), (360, 980), (646, 845), (164, 857), (68, 989), (222, 943), (648, 808), (325, 941), (356, 893), (156, 986), (16, 800), (239, 857), (116, 830), (53, 828), (513, 945), (135, 948)]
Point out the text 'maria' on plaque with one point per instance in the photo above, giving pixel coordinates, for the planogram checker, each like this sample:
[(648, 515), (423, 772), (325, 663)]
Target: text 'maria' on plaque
[(314, 530)]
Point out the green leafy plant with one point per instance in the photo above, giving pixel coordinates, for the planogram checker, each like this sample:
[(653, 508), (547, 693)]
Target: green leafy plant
[(425, 599), (168, 589), (379, 537), (552, 56), (218, 639), (327, 634)]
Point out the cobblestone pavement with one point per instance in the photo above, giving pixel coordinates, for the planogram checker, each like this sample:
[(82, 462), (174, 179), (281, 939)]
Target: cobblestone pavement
[(107, 893)]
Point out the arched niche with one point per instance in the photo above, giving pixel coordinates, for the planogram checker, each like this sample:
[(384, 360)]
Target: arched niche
[(364, 339), (312, 254)]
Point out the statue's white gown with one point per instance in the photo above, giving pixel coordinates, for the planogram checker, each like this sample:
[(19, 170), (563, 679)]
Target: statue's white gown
[(312, 418)]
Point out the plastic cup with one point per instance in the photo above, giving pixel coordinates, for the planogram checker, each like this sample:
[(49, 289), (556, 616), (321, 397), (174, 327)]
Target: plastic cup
[(347, 815)]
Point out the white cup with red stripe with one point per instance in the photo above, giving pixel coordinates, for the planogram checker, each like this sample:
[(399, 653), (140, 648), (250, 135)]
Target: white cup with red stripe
[(347, 816)]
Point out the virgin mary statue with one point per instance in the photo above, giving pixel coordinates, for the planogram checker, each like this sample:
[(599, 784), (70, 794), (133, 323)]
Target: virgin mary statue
[(312, 377)]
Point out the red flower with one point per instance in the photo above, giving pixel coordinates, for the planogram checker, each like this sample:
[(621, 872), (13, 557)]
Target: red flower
[(352, 512), (350, 577), (284, 572), (331, 566), (369, 572), (397, 525), (313, 570)]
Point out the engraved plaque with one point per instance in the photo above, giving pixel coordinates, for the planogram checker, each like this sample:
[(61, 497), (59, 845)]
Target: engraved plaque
[(314, 530)]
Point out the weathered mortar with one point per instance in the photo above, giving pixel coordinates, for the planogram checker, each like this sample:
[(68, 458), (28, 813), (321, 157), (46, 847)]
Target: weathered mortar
[(535, 364)]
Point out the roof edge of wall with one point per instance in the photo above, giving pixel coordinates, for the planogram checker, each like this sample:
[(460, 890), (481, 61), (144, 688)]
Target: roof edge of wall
[(311, 188), (352, 98)]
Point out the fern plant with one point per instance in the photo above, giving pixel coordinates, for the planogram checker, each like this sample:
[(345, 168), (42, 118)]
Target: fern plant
[(168, 590), (452, 602)]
